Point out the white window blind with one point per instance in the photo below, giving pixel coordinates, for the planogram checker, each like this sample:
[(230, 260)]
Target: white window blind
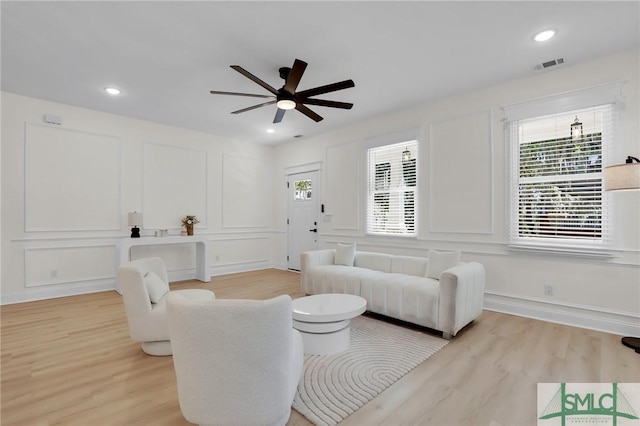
[(556, 188), (392, 189)]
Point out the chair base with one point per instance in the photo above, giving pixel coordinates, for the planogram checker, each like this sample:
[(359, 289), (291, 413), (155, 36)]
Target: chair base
[(162, 348)]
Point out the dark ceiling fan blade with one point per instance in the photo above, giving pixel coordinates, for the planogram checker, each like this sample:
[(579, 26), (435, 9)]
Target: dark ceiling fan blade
[(216, 92), (279, 115), (322, 102), (254, 107), (294, 76), (306, 111), (326, 89), (254, 78)]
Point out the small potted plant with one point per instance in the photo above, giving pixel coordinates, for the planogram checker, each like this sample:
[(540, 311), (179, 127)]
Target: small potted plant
[(188, 221)]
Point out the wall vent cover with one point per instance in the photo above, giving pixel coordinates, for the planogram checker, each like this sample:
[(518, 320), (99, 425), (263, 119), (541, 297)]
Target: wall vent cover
[(550, 63)]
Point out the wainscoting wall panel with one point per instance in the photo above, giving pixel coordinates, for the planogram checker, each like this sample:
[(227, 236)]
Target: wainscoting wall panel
[(247, 192), (342, 194), (461, 175), (239, 250), (72, 264), (72, 180), (174, 185)]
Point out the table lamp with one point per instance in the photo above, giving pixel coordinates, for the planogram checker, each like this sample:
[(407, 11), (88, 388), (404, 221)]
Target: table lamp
[(624, 177), (135, 220)]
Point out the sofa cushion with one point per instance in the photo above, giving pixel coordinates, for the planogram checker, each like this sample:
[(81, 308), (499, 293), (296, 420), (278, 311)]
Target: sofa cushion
[(155, 287), (410, 265), (405, 297), (374, 261), (439, 261), (335, 279), (345, 254)]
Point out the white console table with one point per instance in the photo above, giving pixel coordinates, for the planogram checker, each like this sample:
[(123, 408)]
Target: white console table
[(123, 252)]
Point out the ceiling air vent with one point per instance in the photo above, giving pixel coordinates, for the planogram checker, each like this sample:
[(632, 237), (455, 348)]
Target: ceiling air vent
[(550, 63)]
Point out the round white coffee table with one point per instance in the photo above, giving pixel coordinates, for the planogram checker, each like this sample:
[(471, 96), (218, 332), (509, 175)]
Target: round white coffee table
[(324, 321)]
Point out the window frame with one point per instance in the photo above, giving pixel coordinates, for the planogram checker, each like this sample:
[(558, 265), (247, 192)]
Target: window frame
[(408, 138), (609, 95)]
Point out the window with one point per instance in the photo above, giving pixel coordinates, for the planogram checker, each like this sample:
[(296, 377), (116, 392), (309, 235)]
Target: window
[(392, 190), (556, 181), (302, 190)]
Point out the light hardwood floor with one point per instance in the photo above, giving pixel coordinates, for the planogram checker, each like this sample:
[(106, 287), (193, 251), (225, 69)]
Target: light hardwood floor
[(71, 361)]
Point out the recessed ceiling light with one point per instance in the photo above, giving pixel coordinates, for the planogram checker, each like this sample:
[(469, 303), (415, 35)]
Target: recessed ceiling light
[(544, 35), (270, 130), (112, 90)]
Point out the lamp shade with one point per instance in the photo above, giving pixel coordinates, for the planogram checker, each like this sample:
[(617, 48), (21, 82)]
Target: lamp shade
[(135, 219), (622, 177)]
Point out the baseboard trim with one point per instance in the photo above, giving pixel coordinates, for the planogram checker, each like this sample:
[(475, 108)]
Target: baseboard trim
[(620, 323), (54, 293)]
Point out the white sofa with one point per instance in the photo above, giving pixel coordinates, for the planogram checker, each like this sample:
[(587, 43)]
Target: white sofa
[(399, 286)]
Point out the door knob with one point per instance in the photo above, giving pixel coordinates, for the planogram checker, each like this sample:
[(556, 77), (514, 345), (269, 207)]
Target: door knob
[(313, 230)]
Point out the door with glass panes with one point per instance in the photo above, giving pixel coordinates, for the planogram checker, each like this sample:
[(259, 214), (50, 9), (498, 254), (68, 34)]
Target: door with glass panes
[(303, 213)]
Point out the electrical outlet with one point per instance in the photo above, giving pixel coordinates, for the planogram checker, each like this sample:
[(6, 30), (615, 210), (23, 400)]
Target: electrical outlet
[(53, 273), (548, 290)]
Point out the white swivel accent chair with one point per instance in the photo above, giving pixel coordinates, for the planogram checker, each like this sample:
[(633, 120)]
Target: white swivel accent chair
[(145, 286), (237, 362)]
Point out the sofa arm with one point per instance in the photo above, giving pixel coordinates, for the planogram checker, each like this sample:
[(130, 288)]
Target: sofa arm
[(461, 297), (309, 259)]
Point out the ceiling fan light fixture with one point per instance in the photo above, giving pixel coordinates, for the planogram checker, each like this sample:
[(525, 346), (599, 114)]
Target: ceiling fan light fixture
[(286, 104)]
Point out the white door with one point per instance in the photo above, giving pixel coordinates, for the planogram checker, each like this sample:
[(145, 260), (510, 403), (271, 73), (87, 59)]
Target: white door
[(303, 219)]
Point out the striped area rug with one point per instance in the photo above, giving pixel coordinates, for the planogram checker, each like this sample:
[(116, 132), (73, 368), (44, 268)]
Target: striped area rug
[(334, 386)]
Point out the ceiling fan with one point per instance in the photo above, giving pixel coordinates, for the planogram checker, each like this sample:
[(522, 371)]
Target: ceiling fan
[(286, 97)]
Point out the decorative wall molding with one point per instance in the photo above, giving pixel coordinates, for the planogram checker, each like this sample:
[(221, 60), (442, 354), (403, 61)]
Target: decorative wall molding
[(461, 175), (239, 251), (68, 238), (246, 192), (302, 168), (343, 177), (91, 203), (72, 264), (174, 184), (257, 237), (616, 258)]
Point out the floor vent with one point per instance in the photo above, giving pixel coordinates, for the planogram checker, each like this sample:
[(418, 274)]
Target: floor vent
[(550, 63)]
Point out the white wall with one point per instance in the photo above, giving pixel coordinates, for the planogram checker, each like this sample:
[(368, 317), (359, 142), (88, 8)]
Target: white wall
[(596, 292), (66, 192), (242, 201)]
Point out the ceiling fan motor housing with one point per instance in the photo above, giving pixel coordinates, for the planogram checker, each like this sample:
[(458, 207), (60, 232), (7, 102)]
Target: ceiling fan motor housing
[(284, 72)]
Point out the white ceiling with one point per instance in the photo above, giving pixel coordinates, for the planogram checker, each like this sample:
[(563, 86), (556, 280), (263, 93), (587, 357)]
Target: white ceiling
[(166, 56)]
